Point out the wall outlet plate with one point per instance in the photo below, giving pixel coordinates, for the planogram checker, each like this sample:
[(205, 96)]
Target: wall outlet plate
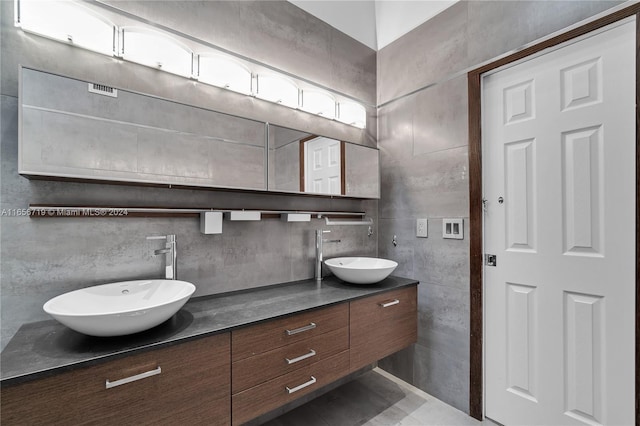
[(422, 228), (453, 229)]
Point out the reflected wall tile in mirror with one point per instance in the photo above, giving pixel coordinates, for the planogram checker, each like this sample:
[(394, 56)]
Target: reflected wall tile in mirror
[(134, 138), (362, 169)]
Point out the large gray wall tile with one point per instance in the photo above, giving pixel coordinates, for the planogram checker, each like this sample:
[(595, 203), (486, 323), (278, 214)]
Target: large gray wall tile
[(445, 376), (442, 261), (427, 54), (42, 258), (439, 116), (432, 184), (496, 27)]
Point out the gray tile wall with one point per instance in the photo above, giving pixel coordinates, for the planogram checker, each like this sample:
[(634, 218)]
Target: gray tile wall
[(423, 141), (42, 258)]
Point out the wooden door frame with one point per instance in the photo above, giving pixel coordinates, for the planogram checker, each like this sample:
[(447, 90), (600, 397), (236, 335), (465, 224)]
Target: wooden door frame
[(476, 404)]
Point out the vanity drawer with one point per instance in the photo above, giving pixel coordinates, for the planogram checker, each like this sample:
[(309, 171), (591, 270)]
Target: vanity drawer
[(263, 398), (187, 383), (382, 324), (254, 370), (270, 335)]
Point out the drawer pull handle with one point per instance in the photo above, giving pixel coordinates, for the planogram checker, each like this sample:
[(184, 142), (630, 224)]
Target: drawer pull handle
[(109, 385), (387, 304), (302, 386), (311, 326), (301, 357)]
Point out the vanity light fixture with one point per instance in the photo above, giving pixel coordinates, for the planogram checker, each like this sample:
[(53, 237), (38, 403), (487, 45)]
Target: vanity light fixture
[(278, 89), (155, 49), (319, 103), (224, 72), (353, 114), (68, 22)]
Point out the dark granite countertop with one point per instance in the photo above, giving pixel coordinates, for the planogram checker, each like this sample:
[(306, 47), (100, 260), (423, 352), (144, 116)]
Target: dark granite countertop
[(44, 348)]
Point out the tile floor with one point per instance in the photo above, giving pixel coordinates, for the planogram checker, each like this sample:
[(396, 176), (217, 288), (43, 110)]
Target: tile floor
[(375, 399)]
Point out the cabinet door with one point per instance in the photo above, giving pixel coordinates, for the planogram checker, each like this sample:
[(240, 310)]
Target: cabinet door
[(382, 324), (187, 383)]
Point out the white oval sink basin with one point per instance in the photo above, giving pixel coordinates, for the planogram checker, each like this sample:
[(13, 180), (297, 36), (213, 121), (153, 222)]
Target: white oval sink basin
[(120, 308), (361, 270)]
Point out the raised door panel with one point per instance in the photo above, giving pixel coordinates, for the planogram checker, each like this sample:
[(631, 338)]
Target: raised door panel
[(192, 387)]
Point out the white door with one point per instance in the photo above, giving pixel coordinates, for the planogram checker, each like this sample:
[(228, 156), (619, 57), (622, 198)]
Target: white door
[(559, 308), (323, 166)]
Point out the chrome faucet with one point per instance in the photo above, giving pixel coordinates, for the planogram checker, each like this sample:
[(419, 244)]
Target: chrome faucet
[(319, 241), (171, 259)]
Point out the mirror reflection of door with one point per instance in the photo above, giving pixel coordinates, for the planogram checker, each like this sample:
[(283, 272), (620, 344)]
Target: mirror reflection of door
[(322, 166)]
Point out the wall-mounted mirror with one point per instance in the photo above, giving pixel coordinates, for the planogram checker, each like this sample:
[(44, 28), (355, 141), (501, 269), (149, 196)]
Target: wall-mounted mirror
[(303, 162), (80, 130)]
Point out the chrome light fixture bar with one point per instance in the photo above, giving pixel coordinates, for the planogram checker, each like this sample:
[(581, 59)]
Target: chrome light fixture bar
[(152, 45)]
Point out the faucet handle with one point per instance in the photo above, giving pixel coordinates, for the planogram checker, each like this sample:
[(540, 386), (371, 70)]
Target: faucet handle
[(157, 237), (326, 231)]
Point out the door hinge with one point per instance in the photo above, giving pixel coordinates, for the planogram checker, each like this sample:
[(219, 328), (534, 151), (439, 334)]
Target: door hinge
[(490, 260)]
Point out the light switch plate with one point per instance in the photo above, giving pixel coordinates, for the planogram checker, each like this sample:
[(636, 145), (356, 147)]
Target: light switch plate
[(453, 229), (422, 228)]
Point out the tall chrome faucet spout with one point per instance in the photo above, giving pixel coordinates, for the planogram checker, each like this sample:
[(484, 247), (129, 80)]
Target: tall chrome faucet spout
[(171, 252), (319, 255)]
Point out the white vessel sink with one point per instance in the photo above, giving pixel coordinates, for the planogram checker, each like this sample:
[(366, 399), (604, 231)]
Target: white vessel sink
[(120, 308), (361, 270)]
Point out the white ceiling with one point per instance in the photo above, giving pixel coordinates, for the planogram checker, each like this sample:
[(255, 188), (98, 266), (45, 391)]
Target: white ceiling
[(375, 23)]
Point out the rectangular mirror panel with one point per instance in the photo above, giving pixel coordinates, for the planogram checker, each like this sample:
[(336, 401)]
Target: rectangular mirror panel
[(69, 131)]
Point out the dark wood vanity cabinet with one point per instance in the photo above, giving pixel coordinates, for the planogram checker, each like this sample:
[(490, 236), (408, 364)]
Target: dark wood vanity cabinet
[(382, 324), (278, 361), (272, 367), (187, 383), (224, 379)]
